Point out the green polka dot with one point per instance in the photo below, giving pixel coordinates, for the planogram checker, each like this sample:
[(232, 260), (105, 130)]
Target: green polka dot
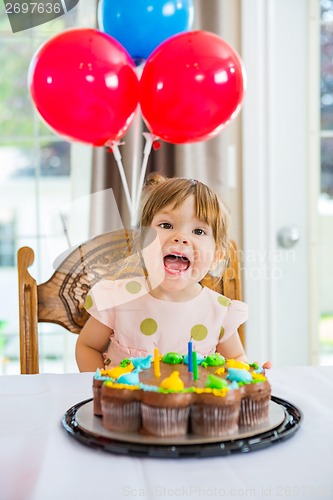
[(88, 303), (148, 326), (133, 287), (224, 301), (199, 332), (221, 333)]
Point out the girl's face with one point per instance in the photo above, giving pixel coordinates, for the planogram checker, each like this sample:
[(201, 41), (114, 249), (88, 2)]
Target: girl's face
[(187, 251)]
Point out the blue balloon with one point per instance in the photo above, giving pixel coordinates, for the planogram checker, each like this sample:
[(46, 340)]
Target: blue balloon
[(141, 25)]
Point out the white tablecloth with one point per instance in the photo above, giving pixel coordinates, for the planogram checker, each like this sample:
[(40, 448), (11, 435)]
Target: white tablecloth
[(40, 461)]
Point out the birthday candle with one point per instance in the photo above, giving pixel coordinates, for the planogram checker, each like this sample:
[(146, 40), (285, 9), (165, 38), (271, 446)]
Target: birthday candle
[(195, 366), (189, 356), (157, 369)]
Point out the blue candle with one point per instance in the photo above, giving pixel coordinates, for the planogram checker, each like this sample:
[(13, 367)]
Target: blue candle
[(189, 356)]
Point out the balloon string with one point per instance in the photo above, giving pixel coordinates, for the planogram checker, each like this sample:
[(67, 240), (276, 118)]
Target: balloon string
[(136, 124), (64, 226), (135, 160), (117, 157), (146, 152)]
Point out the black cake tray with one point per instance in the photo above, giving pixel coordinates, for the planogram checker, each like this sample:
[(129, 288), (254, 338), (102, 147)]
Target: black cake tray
[(242, 442)]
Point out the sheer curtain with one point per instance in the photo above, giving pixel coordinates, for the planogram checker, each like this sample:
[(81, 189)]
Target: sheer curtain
[(216, 162)]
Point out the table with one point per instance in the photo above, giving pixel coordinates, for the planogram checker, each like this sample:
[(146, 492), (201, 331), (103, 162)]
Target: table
[(40, 461)]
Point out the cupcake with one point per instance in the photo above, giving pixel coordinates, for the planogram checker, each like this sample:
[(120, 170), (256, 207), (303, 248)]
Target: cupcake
[(215, 410), (256, 395), (120, 401), (255, 404), (165, 410), (100, 377)]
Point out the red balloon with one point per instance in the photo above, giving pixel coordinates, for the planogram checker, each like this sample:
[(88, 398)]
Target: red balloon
[(84, 85), (191, 87)]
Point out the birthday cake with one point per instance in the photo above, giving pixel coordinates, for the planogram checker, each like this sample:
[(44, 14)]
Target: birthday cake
[(168, 396)]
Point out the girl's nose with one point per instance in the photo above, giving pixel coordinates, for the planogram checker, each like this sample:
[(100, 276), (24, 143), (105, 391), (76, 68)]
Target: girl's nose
[(181, 238)]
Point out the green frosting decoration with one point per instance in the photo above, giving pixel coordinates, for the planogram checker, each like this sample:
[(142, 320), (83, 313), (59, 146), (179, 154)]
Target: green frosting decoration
[(256, 381), (254, 365), (125, 362), (214, 382), (173, 358), (215, 359)]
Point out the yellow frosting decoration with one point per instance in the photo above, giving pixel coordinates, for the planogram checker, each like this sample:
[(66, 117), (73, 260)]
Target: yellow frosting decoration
[(173, 382), (105, 373), (258, 376), (120, 370), (207, 390), (121, 386), (220, 370), (232, 363)]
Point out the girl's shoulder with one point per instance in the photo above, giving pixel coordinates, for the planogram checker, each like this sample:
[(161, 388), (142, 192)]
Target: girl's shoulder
[(222, 300), (111, 293)]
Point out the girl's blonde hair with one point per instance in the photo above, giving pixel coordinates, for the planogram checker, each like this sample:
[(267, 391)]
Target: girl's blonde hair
[(158, 192)]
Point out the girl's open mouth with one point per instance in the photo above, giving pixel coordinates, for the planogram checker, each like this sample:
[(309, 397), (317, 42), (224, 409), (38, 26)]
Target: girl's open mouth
[(176, 263)]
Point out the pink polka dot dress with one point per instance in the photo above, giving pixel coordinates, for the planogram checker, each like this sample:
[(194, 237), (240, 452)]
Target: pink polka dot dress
[(140, 322)]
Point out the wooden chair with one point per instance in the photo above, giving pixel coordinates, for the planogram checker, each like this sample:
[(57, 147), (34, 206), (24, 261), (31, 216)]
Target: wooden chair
[(61, 299)]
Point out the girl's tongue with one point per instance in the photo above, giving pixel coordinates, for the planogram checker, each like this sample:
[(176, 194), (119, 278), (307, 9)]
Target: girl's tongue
[(176, 263)]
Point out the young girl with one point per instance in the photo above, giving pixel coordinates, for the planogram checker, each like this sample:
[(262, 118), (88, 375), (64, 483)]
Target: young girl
[(131, 317)]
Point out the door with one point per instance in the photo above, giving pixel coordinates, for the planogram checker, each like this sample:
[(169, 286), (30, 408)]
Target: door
[(280, 184)]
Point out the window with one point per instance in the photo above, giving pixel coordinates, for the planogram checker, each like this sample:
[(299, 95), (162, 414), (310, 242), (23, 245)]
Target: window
[(37, 176), (326, 95), (325, 205), (7, 241)]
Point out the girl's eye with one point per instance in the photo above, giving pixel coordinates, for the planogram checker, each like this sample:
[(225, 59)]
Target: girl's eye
[(199, 232), (165, 225)]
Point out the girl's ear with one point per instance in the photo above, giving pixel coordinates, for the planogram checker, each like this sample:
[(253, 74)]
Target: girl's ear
[(219, 256), (218, 263)]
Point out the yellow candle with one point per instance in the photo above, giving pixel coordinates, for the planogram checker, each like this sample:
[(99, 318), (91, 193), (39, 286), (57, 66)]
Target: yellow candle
[(157, 370)]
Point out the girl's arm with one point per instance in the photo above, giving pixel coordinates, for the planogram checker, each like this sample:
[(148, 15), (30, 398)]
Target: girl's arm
[(232, 348), (91, 343)]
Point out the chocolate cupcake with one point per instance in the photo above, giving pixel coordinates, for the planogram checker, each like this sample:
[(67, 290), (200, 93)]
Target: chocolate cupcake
[(215, 410), (121, 407), (100, 377), (256, 395), (165, 414), (255, 404), (165, 410)]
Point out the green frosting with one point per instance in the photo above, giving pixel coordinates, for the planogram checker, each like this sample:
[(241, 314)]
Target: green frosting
[(214, 382), (215, 359), (125, 362), (255, 366), (256, 381), (172, 358)]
